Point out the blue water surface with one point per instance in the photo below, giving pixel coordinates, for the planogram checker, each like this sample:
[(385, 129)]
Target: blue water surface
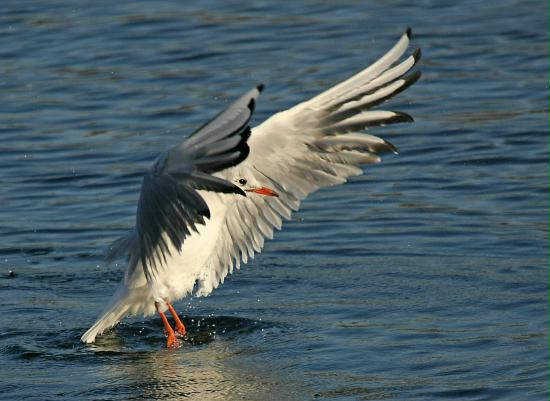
[(424, 279)]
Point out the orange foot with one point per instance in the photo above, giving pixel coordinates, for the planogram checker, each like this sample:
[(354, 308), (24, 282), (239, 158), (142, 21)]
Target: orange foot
[(180, 328), (172, 341)]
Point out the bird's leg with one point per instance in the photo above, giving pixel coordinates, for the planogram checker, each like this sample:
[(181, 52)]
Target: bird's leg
[(180, 328), (172, 341)]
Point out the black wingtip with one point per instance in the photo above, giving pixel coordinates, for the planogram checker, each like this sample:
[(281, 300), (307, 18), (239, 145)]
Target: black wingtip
[(238, 191), (205, 213), (401, 117), (417, 54), (410, 79), (252, 105), (408, 32), (260, 87), (391, 147)]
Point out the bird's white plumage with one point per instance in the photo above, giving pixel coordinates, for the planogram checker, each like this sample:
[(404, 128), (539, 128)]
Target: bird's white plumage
[(295, 152), (365, 75)]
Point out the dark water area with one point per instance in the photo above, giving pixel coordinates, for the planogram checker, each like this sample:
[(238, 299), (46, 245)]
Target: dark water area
[(424, 279)]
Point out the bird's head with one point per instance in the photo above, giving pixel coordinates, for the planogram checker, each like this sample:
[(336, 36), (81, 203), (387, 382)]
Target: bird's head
[(249, 185)]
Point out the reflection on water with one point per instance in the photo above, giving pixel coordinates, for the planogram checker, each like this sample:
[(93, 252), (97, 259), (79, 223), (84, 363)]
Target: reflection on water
[(207, 374), (223, 370)]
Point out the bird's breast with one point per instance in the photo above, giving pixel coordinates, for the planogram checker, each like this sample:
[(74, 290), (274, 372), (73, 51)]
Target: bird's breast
[(187, 265)]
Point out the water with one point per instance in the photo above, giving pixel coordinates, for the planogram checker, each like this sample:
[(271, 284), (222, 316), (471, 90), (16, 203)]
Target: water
[(427, 278)]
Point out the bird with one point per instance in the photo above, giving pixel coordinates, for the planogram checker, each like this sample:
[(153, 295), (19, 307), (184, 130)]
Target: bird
[(208, 203)]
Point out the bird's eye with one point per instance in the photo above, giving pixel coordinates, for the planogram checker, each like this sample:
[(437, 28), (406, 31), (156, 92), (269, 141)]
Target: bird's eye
[(242, 181)]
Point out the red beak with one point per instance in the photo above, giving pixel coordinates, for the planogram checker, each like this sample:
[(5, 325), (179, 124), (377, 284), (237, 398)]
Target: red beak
[(264, 191)]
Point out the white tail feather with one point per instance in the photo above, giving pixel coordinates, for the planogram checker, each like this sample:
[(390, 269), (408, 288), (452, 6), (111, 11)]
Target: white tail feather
[(113, 313)]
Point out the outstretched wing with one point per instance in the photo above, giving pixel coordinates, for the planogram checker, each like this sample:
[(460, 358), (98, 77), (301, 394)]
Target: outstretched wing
[(314, 144), (170, 206)]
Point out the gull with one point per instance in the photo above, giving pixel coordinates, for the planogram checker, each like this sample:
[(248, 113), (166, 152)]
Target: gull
[(208, 203)]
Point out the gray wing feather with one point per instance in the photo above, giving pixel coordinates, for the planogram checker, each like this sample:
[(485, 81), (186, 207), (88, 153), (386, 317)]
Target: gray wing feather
[(166, 205), (121, 246), (170, 206), (233, 119)]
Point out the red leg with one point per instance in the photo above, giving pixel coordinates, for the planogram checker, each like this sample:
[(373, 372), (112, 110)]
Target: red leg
[(179, 325), (172, 341)]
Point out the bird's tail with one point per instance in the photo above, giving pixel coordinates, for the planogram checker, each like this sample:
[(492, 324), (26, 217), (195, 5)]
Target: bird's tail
[(116, 309)]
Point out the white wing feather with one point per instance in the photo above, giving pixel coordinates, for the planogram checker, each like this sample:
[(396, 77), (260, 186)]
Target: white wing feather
[(312, 145)]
